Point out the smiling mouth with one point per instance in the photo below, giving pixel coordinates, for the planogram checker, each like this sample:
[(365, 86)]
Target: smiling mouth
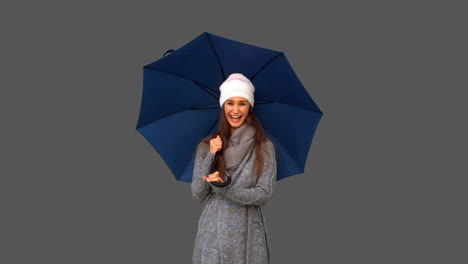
[(235, 118)]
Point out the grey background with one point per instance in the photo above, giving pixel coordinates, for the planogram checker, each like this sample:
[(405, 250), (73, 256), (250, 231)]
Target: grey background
[(384, 181)]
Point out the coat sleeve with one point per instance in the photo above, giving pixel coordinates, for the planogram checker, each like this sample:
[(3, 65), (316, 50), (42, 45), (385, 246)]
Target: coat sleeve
[(261, 192), (203, 160)]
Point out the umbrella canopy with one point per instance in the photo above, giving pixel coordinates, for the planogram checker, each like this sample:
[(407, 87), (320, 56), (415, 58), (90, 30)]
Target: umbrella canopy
[(180, 101)]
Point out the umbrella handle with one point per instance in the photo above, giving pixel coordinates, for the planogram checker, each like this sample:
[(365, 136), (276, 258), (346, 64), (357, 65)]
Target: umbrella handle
[(213, 168), (224, 184), (213, 164)]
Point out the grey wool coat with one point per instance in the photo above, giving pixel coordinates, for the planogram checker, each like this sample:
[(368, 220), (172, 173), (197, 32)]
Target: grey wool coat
[(231, 228)]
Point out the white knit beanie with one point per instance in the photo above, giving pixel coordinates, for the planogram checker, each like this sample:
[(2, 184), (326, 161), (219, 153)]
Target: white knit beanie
[(237, 85)]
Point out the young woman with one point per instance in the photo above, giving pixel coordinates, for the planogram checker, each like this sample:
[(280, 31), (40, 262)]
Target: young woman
[(232, 228)]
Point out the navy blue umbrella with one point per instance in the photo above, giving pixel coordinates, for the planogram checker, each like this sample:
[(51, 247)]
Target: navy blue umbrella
[(180, 101)]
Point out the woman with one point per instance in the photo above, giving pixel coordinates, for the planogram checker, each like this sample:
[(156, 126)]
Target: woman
[(232, 228)]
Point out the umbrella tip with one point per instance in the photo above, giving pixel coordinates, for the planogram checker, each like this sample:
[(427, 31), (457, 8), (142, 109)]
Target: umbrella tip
[(168, 52)]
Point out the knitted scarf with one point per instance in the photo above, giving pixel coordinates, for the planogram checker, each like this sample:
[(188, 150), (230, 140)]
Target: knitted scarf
[(240, 144)]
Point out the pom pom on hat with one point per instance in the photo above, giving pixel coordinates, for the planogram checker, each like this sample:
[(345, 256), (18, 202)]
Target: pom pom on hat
[(236, 85)]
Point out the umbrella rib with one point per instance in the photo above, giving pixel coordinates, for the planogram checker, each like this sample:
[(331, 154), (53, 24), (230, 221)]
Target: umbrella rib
[(216, 55), (208, 90), (283, 148), (266, 64), (174, 113), (279, 102), (205, 88)]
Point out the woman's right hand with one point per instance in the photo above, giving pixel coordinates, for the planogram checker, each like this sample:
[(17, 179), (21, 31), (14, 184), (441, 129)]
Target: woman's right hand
[(215, 145)]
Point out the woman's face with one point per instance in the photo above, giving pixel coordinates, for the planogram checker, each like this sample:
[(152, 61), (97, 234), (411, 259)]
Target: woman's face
[(236, 110)]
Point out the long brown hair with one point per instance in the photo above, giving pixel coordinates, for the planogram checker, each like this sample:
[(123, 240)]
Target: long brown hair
[(224, 131)]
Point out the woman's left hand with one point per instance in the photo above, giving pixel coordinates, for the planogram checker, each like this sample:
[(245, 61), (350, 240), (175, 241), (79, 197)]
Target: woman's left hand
[(213, 177)]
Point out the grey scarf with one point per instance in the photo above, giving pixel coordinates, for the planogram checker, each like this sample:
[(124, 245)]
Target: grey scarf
[(240, 144)]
